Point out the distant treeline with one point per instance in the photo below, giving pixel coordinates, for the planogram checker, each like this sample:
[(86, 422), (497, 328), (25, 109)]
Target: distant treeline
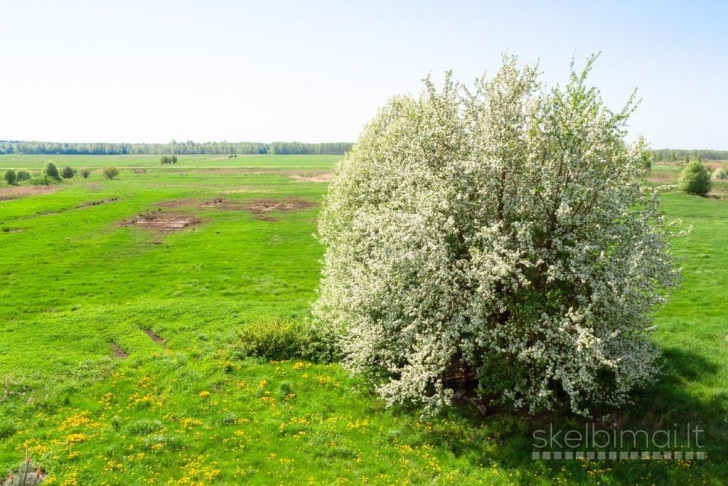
[(673, 155), (180, 148)]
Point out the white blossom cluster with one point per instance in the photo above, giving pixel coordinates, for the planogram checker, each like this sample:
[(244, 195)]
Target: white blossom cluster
[(498, 235)]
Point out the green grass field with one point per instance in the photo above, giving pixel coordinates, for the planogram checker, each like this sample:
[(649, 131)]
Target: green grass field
[(119, 365)]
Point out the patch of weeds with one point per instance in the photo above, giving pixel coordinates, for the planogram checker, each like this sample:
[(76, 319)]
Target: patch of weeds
[(7, 428), (144, 427)]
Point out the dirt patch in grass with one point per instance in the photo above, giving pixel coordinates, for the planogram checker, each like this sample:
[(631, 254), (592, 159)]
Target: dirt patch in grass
[(155, 337), (322, 177), (96, 203), (661, 177), (7, 229), (260, 208), (162, 222), (8, 193), (117, 351)]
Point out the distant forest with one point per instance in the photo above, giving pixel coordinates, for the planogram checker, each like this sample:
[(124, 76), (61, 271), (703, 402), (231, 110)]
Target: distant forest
[(180, 148), (673, 155)]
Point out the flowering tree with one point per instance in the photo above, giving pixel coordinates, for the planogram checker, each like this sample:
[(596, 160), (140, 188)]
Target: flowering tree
[(495, 240)]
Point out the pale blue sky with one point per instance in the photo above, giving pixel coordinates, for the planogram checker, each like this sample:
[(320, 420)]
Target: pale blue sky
[(152, 71)]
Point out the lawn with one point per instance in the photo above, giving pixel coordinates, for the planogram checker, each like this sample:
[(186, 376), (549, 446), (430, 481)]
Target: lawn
[(119, 363)]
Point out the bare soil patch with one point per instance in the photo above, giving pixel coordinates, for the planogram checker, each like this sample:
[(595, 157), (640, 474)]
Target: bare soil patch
[(661, 178), (162, 222), (260, 208), (117, 351), (8, 193), (96, 203), (155, 337), (322, 177)]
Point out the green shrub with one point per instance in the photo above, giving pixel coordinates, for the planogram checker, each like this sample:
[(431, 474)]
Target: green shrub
[(7, 427), (51, 170), (67, 172), (277, 339), (273, 339), (144, 427), (10, 176), (110, 172), (23, 175), (85, 173), (695, 179), (719, 175)]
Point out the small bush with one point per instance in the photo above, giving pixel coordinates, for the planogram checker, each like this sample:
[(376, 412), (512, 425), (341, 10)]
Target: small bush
[(51, 170), (110, 172), (23, 175), (144, 427), (7, 426), (67, 172), (719, 175), (695, 179), (10, 176), (171, 443), (85, 173), (273, 339), (277, 339)]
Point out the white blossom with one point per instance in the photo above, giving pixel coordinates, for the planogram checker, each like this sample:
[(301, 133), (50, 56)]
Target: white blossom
[(499, 235)]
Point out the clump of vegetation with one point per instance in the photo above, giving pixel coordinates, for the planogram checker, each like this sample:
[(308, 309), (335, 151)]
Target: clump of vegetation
[(168, 159), (144, 427), (695, 179), (85, 173), (67, 172), (10, 176), (23, 175), (51, 170), (7, 425), (110, 172), (274, 339), (719, 175), (461, 255), (28, 474)]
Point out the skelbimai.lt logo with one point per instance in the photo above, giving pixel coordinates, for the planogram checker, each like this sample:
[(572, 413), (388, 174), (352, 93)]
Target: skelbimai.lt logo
[(592, 443)]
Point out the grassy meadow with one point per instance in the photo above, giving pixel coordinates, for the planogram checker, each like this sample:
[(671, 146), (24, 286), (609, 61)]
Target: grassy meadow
[(119, 363)]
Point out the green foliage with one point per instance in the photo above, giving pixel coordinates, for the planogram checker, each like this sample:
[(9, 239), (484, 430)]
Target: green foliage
[(85, 173), (110, 172), (51, 170), (144, 427), (67, 172), (672, 155), (7, 427), (273, 339), (719, 175), (10, 176), (646, 156), (695, 179), (23, 175)]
